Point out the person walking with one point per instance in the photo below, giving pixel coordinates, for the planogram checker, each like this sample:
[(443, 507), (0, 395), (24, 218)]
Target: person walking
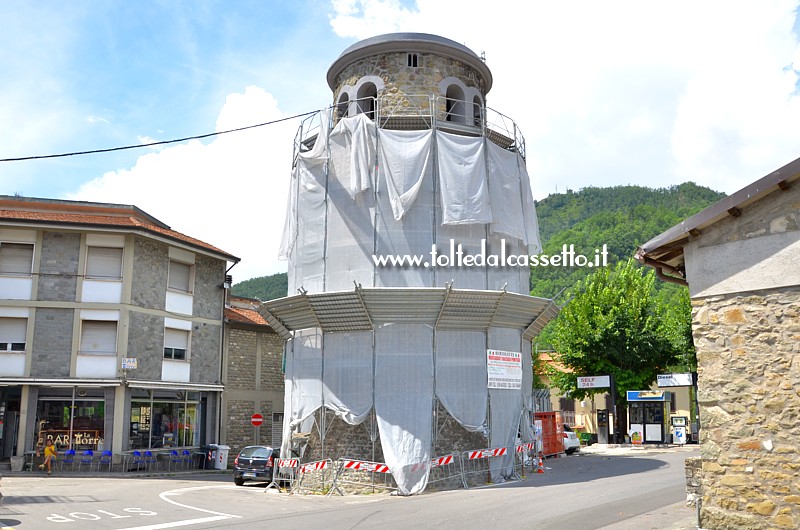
[(50, 454)]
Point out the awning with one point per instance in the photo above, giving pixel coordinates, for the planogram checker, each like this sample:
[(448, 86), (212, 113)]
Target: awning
[(60, 382), (175, 385), (442, 308)]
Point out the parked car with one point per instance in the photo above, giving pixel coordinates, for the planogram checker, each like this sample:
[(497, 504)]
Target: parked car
[(254, 462), (571, 441)]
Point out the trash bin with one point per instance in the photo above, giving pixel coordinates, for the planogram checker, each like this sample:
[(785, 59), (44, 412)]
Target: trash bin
[(221, 460), (209, 456)]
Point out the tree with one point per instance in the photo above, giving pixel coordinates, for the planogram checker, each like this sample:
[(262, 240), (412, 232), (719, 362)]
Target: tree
[(616, 324)]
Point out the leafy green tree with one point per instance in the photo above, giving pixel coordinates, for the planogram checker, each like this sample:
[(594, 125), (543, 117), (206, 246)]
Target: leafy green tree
[(616, 324), (264, 287)]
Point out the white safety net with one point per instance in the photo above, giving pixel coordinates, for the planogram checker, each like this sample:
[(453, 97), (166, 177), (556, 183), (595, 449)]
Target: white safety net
[(404, 401), (461, 377), (303, 383), (505, 407), (349, 229), (347, 382), (412, 233)]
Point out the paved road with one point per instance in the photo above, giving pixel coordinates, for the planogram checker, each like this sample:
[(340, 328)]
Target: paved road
[(612, 489)]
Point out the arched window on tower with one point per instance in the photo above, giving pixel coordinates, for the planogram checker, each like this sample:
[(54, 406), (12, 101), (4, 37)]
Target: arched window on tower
[(454, 98), (367, 97), (343, 106), (477, 111)]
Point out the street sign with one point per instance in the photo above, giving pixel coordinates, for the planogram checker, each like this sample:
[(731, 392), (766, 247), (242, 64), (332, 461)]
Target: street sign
[(674, 379), (595, 381), (130, 363), (256, 419)]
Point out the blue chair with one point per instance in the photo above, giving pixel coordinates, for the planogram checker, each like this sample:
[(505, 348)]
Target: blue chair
[(87, 459), (186, 456), (69, 458), (106, 459), (150, 460), (174, 458), (135, 459)]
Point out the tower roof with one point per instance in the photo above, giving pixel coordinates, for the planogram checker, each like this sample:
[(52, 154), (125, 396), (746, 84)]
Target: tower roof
[(408, 42)]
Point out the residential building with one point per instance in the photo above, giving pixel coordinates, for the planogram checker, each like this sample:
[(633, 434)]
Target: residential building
[(111, 328), (253, 378)]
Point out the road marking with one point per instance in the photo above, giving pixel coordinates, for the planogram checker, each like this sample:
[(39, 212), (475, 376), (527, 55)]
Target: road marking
[(217, 516)]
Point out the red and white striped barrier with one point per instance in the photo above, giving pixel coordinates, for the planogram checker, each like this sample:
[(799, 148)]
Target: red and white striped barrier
[(360, 465), (288, 463), (486, 453), (521, 448), (314, 466), (442, 461)]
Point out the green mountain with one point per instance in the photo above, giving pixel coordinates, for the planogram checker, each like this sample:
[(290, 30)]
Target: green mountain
[(263, 288), (621, 217)]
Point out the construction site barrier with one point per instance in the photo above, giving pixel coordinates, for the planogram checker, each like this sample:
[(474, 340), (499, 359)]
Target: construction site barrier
[(552, 432), (284, 475), (522, 458), (362, 477), (446, 469), (477, 462), (313, 477)]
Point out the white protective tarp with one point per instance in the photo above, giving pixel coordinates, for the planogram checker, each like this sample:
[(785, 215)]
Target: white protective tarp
[(462, 179), (404, 401), (450, 239), (412, 233), (505, 408), (304, 227), (347, 384), (405, 159), (303, 382), (349, 228), (461, 377)]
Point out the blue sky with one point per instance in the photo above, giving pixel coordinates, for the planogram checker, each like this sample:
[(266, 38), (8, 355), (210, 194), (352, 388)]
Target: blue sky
[(606, 93)]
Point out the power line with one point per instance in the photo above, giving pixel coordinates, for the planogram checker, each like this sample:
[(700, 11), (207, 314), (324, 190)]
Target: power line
[(164, 142)]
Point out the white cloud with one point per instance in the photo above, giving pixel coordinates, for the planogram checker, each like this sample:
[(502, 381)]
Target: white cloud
[(229, 191), (622, 92)]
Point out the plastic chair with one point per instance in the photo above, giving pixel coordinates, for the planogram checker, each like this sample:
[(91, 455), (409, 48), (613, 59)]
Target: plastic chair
[(69, 458), (174, 458), (135, 459), (106, 458), (150, 460), (186, 456), (87, 458)]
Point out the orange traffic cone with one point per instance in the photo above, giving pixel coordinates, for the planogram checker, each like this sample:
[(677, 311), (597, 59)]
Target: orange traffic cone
[(539, 464)]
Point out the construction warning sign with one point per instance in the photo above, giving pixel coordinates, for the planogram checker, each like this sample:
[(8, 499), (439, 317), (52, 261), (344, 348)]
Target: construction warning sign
[(504, 369)]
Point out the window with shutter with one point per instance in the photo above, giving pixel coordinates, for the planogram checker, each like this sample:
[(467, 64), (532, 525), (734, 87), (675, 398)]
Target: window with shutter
[(180, 276), (176, 344), (16, 259), (98, 337), (12, 334), (104, 263)]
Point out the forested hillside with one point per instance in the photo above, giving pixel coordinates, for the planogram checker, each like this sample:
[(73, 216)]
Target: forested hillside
[(263, 288), (621, 217)]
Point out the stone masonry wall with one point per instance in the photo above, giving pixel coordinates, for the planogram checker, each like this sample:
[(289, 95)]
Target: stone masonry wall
[(51, 354), (58, 266), (748, 355), (150, 269), (400, 80), (254, 384)]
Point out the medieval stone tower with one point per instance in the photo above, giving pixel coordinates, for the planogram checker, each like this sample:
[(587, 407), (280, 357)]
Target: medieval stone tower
[(410, 205)]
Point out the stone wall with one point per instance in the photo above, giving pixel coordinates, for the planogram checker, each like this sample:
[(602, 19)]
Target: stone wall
[(51, 354), (150, 270), (748, 355), (58, 266), (402, 81), (253, 383)]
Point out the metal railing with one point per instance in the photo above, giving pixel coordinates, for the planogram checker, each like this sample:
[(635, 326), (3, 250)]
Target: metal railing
[(418, 112)]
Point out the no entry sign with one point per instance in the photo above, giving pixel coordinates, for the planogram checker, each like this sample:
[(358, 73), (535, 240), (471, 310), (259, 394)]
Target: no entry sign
[(256, 419)]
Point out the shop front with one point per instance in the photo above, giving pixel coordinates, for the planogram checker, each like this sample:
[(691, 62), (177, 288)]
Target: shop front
[(111, 415)]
